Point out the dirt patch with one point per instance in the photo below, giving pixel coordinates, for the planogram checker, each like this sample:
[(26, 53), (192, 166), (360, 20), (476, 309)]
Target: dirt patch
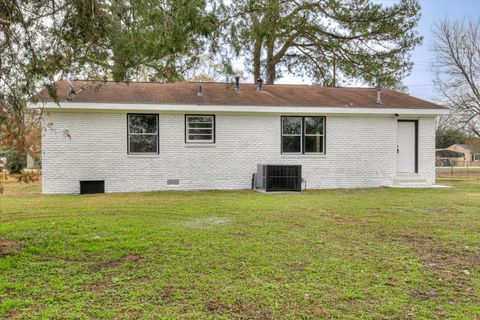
[(9, 247), (424, 295), (299, 265), (343, 219), (241, 234), (167, 292), (239, 309), (446, 263), (99, 286), (132, 258), (103, 284), (442, 210), (115, 263), (438, 256)]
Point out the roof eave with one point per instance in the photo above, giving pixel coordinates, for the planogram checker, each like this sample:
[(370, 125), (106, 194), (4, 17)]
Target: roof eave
[(93, 106)]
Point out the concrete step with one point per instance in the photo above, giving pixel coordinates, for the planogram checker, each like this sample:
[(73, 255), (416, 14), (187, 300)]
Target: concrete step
[(410, 181), (412, 185)]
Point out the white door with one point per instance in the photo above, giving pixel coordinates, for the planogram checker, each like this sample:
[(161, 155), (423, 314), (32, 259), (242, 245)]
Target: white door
[(406, 147)]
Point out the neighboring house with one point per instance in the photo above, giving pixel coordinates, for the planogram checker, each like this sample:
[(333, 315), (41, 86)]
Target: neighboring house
[(30, 162), (186, 136), (3, 162), (471, 152), (3, 159), (459, 155)]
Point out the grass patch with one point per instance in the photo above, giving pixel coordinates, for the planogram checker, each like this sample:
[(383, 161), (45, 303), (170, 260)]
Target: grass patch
[(345, 254)]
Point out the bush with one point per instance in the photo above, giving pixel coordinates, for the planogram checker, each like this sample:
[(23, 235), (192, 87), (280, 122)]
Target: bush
[(16, 162)]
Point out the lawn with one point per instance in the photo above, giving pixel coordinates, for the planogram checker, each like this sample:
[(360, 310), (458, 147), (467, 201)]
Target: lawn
[(340, 254)]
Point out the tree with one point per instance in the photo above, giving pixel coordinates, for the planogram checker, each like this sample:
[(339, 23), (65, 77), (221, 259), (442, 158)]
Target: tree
[(457, 70), (444, 138), (323, 39), (123, 40)]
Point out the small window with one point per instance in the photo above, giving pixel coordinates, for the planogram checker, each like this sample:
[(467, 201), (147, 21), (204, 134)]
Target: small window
[(476, 156), (199, 129), (143, 133), (303, 135)]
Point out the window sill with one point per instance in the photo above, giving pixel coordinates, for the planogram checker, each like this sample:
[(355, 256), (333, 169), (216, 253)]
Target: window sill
[(146, 156), (303, 156), (199, 145)]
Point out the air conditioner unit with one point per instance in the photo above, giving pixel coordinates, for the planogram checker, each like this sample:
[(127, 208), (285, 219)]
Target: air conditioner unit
[(279, 177)]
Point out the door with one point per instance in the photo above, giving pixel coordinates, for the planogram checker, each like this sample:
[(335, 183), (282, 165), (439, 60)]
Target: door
[(406, 146)]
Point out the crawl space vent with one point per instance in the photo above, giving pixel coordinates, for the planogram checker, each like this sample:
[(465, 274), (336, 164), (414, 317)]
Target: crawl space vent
[(173, 182), (91, 187)]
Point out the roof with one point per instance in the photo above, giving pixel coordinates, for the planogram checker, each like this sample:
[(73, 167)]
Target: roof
[(448, 151), (469, 147), (214, 93)]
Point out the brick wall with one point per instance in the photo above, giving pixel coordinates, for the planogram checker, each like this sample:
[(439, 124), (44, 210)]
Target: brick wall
[(360, 152), (426, 149)]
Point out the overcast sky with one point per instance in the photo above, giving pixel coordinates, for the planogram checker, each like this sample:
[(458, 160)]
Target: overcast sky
[(420, 81)]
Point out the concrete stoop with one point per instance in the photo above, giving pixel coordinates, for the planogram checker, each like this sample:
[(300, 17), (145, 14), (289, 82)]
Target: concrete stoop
[(413, 181)]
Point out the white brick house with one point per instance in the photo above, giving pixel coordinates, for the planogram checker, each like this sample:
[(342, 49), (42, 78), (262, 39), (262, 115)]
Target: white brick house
[(143, 137)]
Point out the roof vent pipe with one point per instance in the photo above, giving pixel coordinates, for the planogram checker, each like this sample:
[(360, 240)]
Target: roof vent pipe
[(71, 90), (379, 86), (237, 83), (199, 92), (260, 84)]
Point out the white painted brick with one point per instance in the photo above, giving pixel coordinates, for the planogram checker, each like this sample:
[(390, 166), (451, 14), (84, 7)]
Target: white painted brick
[(360, 152)]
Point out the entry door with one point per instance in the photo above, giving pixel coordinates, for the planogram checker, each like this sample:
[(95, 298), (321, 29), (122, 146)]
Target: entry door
[(406, 146)]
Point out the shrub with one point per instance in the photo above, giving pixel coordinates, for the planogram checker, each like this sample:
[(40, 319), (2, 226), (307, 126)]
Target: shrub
[(15, 161)]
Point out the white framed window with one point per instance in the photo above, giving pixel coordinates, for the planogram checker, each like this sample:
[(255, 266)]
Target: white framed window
[(303, 135), (199, 128), (142, 133), (314, 134), (476, 157), (292, 128)]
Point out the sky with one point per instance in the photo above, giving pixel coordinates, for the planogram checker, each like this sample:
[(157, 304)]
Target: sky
[(420, 83)]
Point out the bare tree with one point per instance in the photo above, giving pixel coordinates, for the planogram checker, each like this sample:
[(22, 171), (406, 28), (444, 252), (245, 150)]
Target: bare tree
[(457, 70)]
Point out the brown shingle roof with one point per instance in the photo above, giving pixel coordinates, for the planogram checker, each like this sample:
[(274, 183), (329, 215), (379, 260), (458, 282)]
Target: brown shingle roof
[(185, 93)]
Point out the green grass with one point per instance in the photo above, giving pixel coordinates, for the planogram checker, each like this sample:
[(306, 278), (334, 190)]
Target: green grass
[(339, 254)]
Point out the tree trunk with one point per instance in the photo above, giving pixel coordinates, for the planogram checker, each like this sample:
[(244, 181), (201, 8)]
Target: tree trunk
[(271, 72), (118, 63), (270, 67), (257, 52)]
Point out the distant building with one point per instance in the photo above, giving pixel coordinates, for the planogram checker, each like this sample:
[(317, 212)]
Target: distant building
[(459, 155)]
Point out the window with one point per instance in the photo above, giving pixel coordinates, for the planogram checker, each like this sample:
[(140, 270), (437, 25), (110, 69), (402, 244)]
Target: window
[(303, 135), (292, 134), (199, 129), (476, 157), (142, 133)]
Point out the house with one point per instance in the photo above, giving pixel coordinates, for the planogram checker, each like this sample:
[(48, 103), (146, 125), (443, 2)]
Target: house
[(183, 136), (461, 154)]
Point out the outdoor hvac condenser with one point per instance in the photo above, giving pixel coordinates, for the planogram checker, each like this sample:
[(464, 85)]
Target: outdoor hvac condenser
[(279, 177)]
